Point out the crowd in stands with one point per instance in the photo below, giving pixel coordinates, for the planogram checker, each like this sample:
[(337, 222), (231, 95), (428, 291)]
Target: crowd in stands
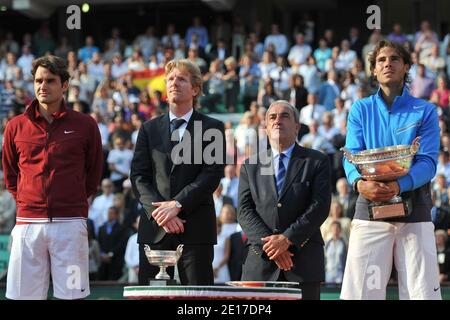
[(244, 71)]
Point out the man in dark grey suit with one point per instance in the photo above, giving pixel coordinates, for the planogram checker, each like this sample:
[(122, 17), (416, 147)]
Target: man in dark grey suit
[(174, 176), (284, 197)]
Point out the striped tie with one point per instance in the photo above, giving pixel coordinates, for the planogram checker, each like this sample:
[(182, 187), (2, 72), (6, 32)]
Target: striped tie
[(281, 172)]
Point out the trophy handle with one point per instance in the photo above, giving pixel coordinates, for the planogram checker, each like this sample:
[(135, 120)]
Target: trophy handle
[(147, 248), (179, 251), (415, 145), (347, 154)]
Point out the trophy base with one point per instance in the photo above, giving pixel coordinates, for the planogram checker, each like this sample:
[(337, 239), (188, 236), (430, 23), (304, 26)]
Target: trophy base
[(162, 282), (396, 208)]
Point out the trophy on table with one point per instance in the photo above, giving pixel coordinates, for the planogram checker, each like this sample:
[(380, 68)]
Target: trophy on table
[(163, 259), (384, 165)]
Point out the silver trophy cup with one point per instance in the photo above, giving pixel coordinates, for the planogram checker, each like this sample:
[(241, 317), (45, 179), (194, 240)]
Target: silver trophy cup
[(163, 259), (385, 164)]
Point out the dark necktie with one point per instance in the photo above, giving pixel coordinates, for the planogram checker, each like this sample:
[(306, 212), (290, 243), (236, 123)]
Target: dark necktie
[(174, 125), (281, 174)]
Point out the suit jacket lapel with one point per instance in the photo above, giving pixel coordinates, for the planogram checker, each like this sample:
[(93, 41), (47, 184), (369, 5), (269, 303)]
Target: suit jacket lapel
[(296, 162), (164, 131), (266, 173)]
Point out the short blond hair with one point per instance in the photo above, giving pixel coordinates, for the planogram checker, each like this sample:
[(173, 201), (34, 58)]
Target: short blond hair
[(192, 69)]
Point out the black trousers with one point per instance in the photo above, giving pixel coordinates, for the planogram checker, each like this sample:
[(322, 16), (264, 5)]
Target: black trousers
[(310, 290), (194, 266)]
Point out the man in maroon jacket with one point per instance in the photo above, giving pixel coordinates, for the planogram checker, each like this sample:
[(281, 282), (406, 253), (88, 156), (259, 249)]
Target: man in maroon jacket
[(52, 161)]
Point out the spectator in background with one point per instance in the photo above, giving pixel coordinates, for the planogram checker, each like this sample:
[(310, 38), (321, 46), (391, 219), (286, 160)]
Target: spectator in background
[(104, 133), (421, 84), (346, 197), (221, 255), (132, 254), (310, 74), (119, 68), (335, 255), (327, 128), (94, 255), (267, 64), (194, 56), (219, 51), (238, 253), (349, 90), (312, 111), (336, 214), (268, 94), (397, 34), (230, 183), (443, 93), (86, 53), (95, 68), (322, 54), (8, 67), (64, 47), (8, 44), (7, 208), (148, 42), (214, 87), (171, 39), (279, 40), (112, 239), (443, 255), (339, 113), (440, 193), (256, 44), (231, 80), (98, 211), (315, 141), (249, 75), (329, 90), (198, 29), (119, 161), (300, 51), (328, 35), (228, 220), (25, 62), (238, 38), (356, 43), (43, 40), (220, 30), (346, 57), (434, 62), (220, 200), (443, 165), (297, 94)]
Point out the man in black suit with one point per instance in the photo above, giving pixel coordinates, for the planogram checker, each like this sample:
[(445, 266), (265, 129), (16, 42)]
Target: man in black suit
[(238, 252), (174, 176), (284, 197), (112, 239)]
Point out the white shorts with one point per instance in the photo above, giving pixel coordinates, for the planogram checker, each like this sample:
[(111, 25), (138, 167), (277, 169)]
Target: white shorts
[(38, 249), (375, 245)]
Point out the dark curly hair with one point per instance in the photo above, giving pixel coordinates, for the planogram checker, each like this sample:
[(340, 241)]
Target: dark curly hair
[(402, 52)]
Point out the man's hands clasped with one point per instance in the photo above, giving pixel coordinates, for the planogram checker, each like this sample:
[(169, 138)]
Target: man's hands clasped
[(276, 247), (166, 215)]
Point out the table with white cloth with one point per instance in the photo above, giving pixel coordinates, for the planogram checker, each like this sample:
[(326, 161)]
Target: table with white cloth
[(179, 292)]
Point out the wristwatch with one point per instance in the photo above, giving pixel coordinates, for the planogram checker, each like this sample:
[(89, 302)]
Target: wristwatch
[(178, 205), (355, 184)]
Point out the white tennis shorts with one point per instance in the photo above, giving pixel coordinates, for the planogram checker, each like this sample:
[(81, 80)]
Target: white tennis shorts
[(40, 249), (375, 245)]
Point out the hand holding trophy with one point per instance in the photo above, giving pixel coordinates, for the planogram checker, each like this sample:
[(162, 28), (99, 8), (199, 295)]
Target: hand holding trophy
[(384, 165)]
